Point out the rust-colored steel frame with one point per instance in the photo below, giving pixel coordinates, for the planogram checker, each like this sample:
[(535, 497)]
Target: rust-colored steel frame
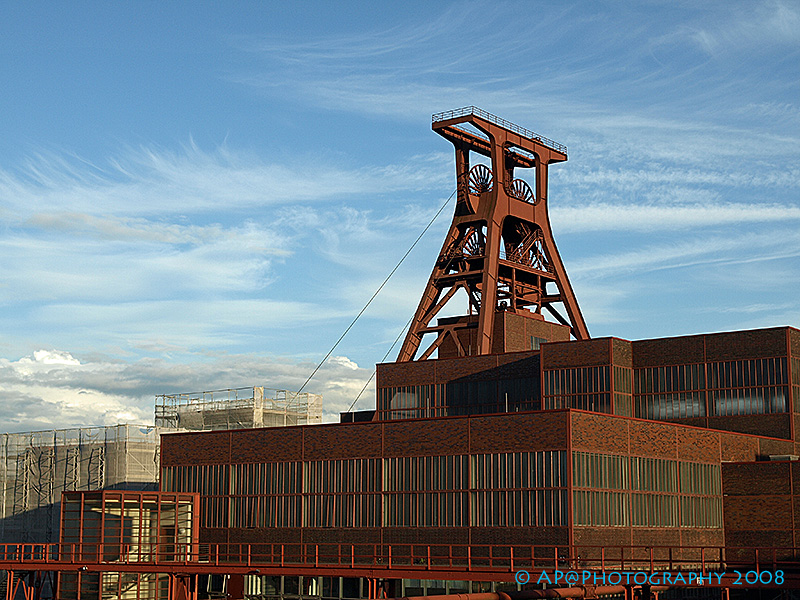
[(497, 563), (136, 551), (493, 209)]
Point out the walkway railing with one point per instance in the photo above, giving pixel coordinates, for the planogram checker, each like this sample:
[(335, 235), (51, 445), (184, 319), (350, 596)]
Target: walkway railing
[(435, 560), (478, 112)]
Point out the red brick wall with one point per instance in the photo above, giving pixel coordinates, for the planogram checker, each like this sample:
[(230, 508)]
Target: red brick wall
[(425, 437), (327, 442), (759, 503), (668, 351), (736, 345), (519, 432), (207, 448), (695, 445), (583, 353), (767, 447), (657, 440), (420, 372), (602, 536), (285, 444), (446, 370), (794, 341), (599, 433), (777, 425), (531, 432), (622, 352), (738, 447)]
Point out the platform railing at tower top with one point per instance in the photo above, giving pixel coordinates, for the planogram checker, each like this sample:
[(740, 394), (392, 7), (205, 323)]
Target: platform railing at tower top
[(479, 112), (434, 559)]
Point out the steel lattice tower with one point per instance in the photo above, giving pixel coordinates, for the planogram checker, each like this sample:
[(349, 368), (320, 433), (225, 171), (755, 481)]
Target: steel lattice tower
[(500, 247)]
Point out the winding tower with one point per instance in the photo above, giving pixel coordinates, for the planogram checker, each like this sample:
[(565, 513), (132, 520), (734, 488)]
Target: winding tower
[(500, 248)]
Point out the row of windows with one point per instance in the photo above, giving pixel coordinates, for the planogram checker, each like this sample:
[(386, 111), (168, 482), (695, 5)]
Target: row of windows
[(592, 470), (501, 508), (700, 486), (425, 473), (623, 378), (542, 508), (519, 470), (592, 402), (459, 398), (353, 475), (723, 403), (701, 479), (208, 480), (622, 405), (761, 372), (214, 511), (607, 471), (265, 478), (654, 510), (697, 511), (654, 474), (675, 378), (670, 406), (417, 473), (425, 510), (647, 510), (600, 508), (410, 396), (253, 511), (754, 401), (583, 380), (342, 510), (668, 392), (758, 372)]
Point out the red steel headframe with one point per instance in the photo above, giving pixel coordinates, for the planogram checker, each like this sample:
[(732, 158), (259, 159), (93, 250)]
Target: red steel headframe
[(500, 248)]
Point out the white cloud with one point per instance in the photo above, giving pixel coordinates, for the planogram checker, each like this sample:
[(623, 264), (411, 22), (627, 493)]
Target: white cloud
[(52, 389), (631, 217)]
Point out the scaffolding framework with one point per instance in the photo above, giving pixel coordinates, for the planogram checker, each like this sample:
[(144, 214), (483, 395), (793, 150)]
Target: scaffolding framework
[(237, 408), (35, 467)]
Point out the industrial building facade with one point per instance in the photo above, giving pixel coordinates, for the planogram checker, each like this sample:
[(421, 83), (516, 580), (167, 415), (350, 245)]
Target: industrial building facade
[(555, 476)]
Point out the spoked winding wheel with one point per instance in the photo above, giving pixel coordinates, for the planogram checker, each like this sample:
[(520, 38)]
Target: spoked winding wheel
[(480, 179), (520, 190)]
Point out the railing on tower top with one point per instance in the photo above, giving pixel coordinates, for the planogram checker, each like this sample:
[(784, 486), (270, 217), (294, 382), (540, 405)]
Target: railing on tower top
[(479, 112)]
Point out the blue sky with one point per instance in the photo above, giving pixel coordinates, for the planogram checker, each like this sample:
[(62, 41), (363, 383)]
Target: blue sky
[(202, 196)]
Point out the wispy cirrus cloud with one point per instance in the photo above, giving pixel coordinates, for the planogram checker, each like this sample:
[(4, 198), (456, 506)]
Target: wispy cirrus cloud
[(745, 28), (691, 251), (152, 182)]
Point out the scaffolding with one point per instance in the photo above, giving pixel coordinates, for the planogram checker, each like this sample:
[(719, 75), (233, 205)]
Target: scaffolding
[(36, 467), (237, 408)]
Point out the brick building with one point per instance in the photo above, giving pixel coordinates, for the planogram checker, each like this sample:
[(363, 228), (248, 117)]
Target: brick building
[(675, 442)]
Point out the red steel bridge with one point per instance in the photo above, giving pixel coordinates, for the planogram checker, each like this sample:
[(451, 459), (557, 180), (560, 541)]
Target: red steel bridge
[(570, 571)]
